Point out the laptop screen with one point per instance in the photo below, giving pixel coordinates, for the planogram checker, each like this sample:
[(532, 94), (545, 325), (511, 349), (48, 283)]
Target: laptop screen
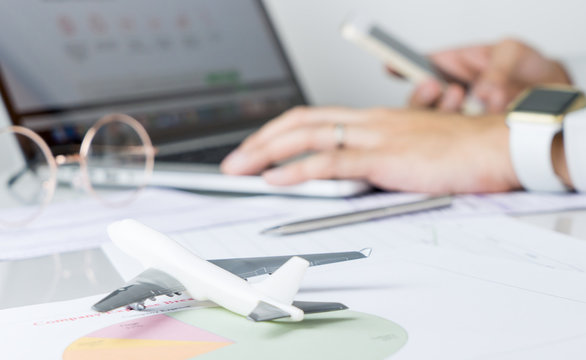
[(183, 68)]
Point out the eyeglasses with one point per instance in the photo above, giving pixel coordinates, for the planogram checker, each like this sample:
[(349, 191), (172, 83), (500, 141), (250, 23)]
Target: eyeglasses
[(115, 161)]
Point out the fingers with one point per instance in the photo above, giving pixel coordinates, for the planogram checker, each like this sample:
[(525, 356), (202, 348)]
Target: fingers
[(321, 137), (497, 86), (333, 164), (301, 116), (430, 94), (503, 60), (476, 59), (497, 74), (493, 91), (426, 94), (295, 132), (453, 99), (496, 94), (393, 72), (464, 64)]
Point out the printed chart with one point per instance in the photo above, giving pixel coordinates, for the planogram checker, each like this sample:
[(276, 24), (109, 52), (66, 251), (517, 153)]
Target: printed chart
[(214, 333), (153, 337)]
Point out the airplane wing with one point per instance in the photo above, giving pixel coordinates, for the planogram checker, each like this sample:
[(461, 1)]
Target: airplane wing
[(250, 267), (147, 285), (152, 283)]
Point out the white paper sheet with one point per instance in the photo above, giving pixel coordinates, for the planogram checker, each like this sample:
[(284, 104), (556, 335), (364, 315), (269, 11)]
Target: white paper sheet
[(457, 306), (448, 302), (81, 224), (494, 237), (474, 288), (482, 288)]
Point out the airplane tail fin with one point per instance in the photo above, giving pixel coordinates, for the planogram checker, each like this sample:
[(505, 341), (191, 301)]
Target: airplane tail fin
[(284, 283)]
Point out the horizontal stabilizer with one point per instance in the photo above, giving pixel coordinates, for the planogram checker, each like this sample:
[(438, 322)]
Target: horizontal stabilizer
[(267, 312), (313, 307)]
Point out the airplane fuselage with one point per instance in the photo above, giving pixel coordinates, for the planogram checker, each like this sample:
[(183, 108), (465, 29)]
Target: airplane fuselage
[(202, 279)]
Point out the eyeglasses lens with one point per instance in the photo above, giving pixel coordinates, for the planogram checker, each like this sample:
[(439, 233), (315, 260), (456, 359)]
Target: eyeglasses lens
[(27, 179), (117, 163)]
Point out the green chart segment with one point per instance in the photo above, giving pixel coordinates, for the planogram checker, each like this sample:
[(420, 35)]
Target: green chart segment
[(214, 333)]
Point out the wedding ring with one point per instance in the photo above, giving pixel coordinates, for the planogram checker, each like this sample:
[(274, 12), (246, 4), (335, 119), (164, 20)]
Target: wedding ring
[(339, 134)]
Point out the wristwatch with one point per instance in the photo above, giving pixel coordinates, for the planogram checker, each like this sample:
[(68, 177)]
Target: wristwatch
[(534, 119)]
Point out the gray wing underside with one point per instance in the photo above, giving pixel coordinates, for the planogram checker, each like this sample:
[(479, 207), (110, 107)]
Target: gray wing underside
[(152, 282), (250, 267), (147, 285)]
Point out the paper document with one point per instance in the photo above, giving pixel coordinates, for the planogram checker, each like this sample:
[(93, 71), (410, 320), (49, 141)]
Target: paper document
[(473, 288), (81, 224), (446, 304), (69, 331), (461, 306), (463, 206), (494, 237)]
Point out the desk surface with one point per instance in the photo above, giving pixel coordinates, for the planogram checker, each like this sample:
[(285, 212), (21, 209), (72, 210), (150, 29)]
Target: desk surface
[(89, 272)]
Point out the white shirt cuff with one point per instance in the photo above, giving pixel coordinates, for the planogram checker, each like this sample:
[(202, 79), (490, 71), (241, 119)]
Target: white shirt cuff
[(575, 147)]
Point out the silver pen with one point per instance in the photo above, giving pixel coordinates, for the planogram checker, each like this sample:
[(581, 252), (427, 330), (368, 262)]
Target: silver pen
[(434, 202)]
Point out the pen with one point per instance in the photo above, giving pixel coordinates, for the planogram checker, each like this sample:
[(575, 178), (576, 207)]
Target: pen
[(435, 202)]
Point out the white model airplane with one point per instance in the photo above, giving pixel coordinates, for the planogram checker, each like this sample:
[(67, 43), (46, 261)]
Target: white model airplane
[(172, 269)]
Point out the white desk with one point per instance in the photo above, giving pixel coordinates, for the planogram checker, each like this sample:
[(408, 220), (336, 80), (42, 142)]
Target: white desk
[(83, 273), (425, 301)]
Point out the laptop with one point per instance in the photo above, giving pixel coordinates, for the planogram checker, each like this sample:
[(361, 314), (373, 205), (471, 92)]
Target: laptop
[(200, 75)]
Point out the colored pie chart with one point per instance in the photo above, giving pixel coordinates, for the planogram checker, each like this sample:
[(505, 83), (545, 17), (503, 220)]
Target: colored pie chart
[(214, 333)]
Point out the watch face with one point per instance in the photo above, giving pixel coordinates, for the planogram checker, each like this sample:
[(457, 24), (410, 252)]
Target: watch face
[(547, 101)]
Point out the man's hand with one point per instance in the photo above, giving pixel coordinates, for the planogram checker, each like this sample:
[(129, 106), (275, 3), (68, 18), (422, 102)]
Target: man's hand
[(495, 74), (406, 150)]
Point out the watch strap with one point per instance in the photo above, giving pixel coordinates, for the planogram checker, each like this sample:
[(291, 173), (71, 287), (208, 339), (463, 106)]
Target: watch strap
[(575, 147), (531, 155)]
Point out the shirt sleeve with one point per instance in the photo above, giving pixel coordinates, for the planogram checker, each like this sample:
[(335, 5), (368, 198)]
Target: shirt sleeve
[(575, 147)]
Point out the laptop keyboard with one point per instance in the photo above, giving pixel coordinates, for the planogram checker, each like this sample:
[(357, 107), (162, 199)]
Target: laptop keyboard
[(213, 155)]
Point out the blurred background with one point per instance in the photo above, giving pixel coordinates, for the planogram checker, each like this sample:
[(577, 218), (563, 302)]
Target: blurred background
[(334, 71)]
